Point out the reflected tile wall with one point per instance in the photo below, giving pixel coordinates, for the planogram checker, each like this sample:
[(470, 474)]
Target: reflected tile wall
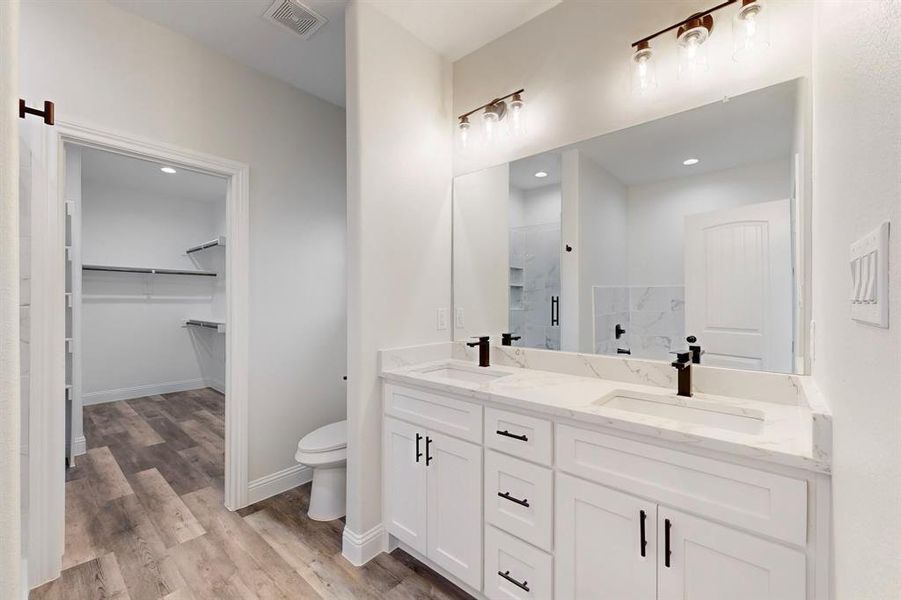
[(535, 266), (653, 317)]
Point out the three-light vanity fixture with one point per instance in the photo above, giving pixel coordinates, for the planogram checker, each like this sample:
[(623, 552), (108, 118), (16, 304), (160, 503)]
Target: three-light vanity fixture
[(750, 36), (502, 117)]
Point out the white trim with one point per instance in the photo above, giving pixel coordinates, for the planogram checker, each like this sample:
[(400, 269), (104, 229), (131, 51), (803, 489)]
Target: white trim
[(216, 384), (79, 446), (139, 391), (278, 482), (48, 325), (359, 549)]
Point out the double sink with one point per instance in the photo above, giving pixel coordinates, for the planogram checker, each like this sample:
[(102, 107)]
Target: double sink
[(691, 411)]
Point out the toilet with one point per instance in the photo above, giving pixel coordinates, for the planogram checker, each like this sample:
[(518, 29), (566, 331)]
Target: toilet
[(325, 451)]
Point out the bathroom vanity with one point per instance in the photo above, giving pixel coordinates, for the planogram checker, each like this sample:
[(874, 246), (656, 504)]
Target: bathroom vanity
[(585, 476)]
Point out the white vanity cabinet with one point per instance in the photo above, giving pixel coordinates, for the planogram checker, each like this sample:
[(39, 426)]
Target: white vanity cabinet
[(521, 505)]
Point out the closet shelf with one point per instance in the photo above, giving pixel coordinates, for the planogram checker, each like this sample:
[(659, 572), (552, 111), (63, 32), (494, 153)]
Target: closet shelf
[(148, 270), (217, 325), (219, 241)]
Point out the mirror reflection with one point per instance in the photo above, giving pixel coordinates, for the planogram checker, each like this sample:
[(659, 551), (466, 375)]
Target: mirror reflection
[(686, 231)]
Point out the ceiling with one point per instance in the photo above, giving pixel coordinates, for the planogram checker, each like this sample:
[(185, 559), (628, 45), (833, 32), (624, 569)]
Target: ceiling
[(237, 29), (751, 128), (455, 28), (115, 170)]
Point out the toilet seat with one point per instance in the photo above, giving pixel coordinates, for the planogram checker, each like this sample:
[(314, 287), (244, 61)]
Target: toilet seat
[(324, 446)]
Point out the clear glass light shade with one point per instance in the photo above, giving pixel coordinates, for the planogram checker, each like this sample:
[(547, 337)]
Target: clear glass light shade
[(490, 125), (464, 132), (750, 32), (693, 53), (516, 113), (644, 74)]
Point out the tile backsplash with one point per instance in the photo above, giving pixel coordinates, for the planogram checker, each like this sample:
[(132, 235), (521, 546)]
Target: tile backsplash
[(653, 317)]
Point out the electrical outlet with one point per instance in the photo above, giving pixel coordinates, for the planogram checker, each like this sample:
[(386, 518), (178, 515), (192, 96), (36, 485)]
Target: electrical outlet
[(442, 319), (458, 318)]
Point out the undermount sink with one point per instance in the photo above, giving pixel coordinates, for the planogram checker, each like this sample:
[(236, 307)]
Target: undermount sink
[(460, 373), (688, 410)]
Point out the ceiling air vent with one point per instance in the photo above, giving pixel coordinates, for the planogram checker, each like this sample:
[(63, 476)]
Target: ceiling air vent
[(295, 16)]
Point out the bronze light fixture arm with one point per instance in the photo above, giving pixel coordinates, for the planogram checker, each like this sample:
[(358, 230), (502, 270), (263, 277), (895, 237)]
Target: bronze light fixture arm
[(699, 15), (496, 100)]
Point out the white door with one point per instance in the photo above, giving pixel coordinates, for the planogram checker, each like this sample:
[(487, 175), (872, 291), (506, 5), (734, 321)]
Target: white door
[(455, 506), (606, 543), (738, 286), (404, 483), (710, 562)]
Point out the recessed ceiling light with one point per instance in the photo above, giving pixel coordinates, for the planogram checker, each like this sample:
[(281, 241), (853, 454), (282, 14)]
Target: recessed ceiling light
[(690, 161), (169, 170), (540, 174)]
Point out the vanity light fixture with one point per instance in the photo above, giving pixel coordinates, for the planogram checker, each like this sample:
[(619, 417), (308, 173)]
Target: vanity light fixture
[(750, 36), (540, 174), (504, 111), (690, 161), (168, 170)]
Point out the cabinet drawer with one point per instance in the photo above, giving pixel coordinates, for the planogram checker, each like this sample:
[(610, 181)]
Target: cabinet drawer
[(514, 570), (525, 437), (519, 498), (434, 411), (764, 502)]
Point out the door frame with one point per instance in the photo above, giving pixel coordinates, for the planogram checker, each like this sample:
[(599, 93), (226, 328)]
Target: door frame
[(46, 527)]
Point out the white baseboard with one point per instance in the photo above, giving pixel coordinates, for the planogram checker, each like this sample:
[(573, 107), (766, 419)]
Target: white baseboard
[(216, 384), (278, 482), (79, 446), (359, 549), (141, 390)]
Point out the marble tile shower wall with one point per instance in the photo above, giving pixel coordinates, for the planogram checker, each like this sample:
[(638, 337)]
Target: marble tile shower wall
[(653, 317), (534, 280)]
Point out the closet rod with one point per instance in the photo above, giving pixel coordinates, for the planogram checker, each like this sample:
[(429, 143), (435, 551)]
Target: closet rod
[(147, 270)]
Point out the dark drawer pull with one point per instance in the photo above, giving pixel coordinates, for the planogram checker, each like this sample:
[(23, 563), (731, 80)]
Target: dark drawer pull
[(667, 552), (505, 433), (507, 496), (523, 585)]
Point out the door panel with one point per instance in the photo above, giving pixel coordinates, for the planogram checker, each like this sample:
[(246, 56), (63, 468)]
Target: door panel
[(738, 286), (404, 483), (455, 507), (599, 544), (711, 562)]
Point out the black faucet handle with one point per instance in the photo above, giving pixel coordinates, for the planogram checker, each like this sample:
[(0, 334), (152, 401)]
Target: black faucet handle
[(507, 339), (682, 359), (483, 339)]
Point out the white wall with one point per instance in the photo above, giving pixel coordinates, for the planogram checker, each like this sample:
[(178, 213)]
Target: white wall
[(399, 151), (857, 153), (604, 236), (573, 63), (657, 213), (538, 206), (137, 346), (160, 85), (481, 250)]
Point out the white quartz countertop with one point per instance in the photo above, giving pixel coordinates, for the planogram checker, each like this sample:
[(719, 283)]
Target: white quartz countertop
[(778, 432)]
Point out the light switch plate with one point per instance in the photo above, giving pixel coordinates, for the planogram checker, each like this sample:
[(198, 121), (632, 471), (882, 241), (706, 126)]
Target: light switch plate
[(869, 277), (442, 319)]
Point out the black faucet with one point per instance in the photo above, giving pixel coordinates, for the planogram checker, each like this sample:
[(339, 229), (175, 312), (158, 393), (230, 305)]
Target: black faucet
[(484, 350), (682, 364), (507, 339)]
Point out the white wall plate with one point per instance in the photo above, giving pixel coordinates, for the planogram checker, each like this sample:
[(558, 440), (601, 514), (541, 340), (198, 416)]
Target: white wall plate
[(869, 277)]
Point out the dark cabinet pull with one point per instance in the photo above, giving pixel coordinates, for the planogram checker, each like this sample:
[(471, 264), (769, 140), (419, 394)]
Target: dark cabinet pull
[(555, 311), (418, 453), (428, 455), (644, 540), (666, 542), (507, 496), (521, 585), (521, 438)]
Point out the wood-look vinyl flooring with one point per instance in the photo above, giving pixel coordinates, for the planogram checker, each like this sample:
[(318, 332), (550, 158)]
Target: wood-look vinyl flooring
[(145, 520)]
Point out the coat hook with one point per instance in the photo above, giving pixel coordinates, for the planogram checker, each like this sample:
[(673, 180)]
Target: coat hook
[(47, 114)]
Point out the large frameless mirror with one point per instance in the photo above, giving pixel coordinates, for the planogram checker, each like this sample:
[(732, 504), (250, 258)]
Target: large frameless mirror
[(687, 230)]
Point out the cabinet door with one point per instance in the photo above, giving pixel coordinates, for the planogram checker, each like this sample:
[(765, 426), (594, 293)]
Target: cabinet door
[(708, 561), (404, 483), (455, 506), (601, 553)]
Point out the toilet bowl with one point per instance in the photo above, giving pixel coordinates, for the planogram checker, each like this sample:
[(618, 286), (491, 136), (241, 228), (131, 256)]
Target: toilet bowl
[(325, 451)]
